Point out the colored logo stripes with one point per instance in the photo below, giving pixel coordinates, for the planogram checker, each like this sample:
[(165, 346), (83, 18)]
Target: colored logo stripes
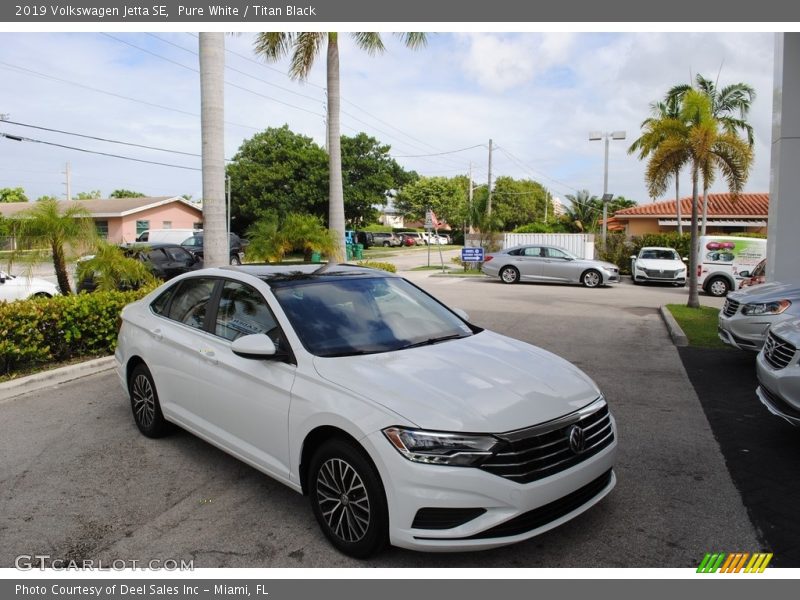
[(735, 562)]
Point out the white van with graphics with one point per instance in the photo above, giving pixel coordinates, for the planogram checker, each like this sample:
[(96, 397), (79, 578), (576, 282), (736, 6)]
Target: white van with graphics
[(722, 260)]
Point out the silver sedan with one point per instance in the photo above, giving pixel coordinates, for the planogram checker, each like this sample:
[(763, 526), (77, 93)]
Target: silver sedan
[(778, 372), (542, 263)]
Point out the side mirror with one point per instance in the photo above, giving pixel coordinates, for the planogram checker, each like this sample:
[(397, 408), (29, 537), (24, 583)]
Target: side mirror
[(2, 278), (744, 274), (461, 313), (633, 257), (254, 346), (685, 259)]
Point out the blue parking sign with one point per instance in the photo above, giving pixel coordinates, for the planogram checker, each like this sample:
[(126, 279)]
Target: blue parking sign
[(472, 255)]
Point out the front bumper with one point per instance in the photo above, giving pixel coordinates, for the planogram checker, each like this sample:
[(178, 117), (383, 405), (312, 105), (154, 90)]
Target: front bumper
[(779, 389), (642, 277), (511, 513), (744, 332)]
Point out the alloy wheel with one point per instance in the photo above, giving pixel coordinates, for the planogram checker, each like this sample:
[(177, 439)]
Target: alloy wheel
[(343, 500), (144, 404)]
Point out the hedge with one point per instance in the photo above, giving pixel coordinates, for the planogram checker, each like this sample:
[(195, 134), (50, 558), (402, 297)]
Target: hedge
[(374, 264), (40, 331)]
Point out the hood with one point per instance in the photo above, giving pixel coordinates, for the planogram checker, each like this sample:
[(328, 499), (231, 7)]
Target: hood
[(767, 292), (788, 330), (660, 264), (596, 263), (485, 383)]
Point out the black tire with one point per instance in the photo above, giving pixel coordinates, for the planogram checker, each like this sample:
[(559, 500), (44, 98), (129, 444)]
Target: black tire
[(633, 279), (41, 295), (356, 519), (235, 260), (718, 287), (145, 405), (591, 278), (386, 244), (509, 275)]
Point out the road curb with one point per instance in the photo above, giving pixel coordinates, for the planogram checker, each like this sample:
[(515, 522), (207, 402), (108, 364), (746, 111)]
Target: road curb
[(675, 332), (53, 377)]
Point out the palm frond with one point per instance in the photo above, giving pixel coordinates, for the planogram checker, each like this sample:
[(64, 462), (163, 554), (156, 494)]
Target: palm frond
[(274, 45), (307, 47), (414, 39), (369, 41)]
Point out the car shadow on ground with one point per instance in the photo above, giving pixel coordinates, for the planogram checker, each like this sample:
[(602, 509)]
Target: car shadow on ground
[(760, 450)]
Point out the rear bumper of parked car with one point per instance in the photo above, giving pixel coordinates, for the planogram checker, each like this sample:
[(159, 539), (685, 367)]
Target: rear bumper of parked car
[(523, 510), (779, 389)]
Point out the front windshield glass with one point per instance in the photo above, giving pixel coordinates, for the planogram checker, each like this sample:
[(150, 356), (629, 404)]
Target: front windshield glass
[(659, 254), (350, 316)]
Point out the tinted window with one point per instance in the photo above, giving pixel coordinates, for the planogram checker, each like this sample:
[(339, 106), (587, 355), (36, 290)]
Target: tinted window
[(190, 304), (243, 311), (156, 256), (532, 251), (159, 305), (180, 255), (555, 253)]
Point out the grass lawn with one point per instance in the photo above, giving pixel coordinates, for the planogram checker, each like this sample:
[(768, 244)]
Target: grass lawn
[(699, 325)]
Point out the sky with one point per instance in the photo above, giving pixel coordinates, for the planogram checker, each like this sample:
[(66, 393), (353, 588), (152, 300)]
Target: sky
[(536, 95)]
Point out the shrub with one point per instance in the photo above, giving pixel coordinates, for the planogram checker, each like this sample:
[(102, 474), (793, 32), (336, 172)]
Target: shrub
[(44, 330), (534, 228), (373, 264)]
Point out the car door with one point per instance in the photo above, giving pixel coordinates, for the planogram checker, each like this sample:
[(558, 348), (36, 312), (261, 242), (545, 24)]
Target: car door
[(244, 402), (557, 265), (178, 261), (528, 262)]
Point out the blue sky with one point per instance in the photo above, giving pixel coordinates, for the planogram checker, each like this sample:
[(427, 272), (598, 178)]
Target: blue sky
[(537, 95)]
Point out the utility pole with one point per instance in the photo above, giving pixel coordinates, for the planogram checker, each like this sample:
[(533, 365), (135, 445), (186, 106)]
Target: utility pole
[(229, 206), (68, 182), (595, 136), (489, 201), (470, 196)]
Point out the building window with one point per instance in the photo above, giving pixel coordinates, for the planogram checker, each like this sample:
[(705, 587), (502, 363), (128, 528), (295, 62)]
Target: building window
[(102, 229), (166, 224), (198, 224), (141, 227)]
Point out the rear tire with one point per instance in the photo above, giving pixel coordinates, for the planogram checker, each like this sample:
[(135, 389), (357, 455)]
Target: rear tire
[(509, 275), (145, 405), (592, 278), (348, 499), (235, 260)]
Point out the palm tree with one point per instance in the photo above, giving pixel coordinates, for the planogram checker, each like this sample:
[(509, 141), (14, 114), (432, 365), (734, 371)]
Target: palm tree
[(650, 139), (304, 48), (45, 223), (582, 214), (697, 139), (730, 106), (212, 67)]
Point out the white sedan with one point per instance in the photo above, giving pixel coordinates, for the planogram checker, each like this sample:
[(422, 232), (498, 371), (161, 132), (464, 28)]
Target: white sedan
[(401, 421), (660, 265), (20, 287)]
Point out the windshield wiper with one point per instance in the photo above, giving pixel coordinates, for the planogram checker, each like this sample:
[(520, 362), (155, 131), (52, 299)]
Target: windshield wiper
[(433, 340)]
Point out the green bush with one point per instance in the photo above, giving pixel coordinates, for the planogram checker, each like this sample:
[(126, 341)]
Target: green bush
[(534, 228), (46, 330), (373, 264)]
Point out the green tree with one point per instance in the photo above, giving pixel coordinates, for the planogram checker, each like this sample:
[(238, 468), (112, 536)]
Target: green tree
[(520, 202), (45, 222), (112, 270), (697, 138), (582, 215), (91, 195), (46, 197), (368, 174), (123, 193), (446, 197), (271, 238), (304, 48), (13, 195), (276, 171)]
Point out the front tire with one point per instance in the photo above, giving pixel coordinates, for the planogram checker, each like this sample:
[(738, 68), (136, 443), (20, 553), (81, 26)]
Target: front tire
[(348, 499), (592, 278), (236, 261), (509, 275), (718, 287), (145, 405)]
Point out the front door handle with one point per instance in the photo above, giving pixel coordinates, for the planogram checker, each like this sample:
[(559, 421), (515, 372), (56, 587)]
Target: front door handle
[(209, 356), (156, 333)]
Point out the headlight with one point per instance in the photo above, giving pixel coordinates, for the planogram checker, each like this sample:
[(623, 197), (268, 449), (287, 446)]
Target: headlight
[(679, 271), (437, 448), (766, 308)]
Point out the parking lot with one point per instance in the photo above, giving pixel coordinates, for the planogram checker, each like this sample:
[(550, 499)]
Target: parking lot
[(80, 482)]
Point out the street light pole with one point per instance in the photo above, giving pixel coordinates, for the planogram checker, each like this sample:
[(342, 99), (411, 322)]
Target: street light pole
[(594, 136)]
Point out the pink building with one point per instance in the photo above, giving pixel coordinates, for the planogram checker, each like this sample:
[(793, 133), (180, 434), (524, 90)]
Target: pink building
[(123, 219)]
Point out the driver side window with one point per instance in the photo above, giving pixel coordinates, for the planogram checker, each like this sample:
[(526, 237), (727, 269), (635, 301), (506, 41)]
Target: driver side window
[(243, 311)]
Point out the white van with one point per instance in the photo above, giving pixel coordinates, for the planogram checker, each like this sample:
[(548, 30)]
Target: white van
[(721, 260), (169, 236)]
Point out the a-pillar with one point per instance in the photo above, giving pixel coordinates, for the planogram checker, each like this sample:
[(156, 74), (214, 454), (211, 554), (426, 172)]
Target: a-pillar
[(783, 262)]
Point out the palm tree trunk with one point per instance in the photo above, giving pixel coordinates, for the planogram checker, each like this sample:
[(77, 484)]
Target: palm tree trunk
[(212, 102), (336, 191), (705, 207), (678, 201), (60, 267), (694, 297)]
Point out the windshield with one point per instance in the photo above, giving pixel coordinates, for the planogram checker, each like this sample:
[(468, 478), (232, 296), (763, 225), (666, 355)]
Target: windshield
[(365, 315), (659, 254)]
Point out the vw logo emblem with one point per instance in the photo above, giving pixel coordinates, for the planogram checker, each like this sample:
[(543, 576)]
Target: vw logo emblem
[(577, 439)]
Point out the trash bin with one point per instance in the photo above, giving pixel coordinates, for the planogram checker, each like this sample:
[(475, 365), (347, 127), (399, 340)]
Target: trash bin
[(358, 252), (349, 251), (316, 257)]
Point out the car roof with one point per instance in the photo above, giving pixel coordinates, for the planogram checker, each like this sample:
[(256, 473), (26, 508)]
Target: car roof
[(149, 245), (281, 274), (657, 248)]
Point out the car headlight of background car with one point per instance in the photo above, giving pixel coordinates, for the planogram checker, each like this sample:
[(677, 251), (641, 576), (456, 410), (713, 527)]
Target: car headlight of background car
[(766, 308), (438, 448)]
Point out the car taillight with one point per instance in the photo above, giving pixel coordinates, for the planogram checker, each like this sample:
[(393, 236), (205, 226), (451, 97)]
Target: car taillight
[(487, 258)]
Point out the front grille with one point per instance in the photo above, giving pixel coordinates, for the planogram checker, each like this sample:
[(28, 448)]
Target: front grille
[(777, 351), (539, 517), (541, 451), (658, 274), (444, 518), (731, 307)]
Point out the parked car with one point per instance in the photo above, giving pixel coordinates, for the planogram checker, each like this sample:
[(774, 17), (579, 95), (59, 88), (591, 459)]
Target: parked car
[(548, 264), (658, 264), (165, 261), (19, 287), (169, 236), (778, 369), (749, 313), (194, 244), (720, 259), (365, 238), (386, 240), (408, 239), (434, 239), (323, 380), (755, 277)]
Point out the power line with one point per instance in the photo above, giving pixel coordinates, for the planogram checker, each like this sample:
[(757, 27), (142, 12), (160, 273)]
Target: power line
[(533, 171), (440, 153), (17, 138)]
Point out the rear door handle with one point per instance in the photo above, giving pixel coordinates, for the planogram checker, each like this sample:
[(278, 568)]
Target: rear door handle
[(156, 333)]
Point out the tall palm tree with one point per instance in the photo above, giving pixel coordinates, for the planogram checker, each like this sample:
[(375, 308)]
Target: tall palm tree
[(696, 138), (730, 106), (651, 137), (46, 223), (304, 48), (582, 214), (212, 99)]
